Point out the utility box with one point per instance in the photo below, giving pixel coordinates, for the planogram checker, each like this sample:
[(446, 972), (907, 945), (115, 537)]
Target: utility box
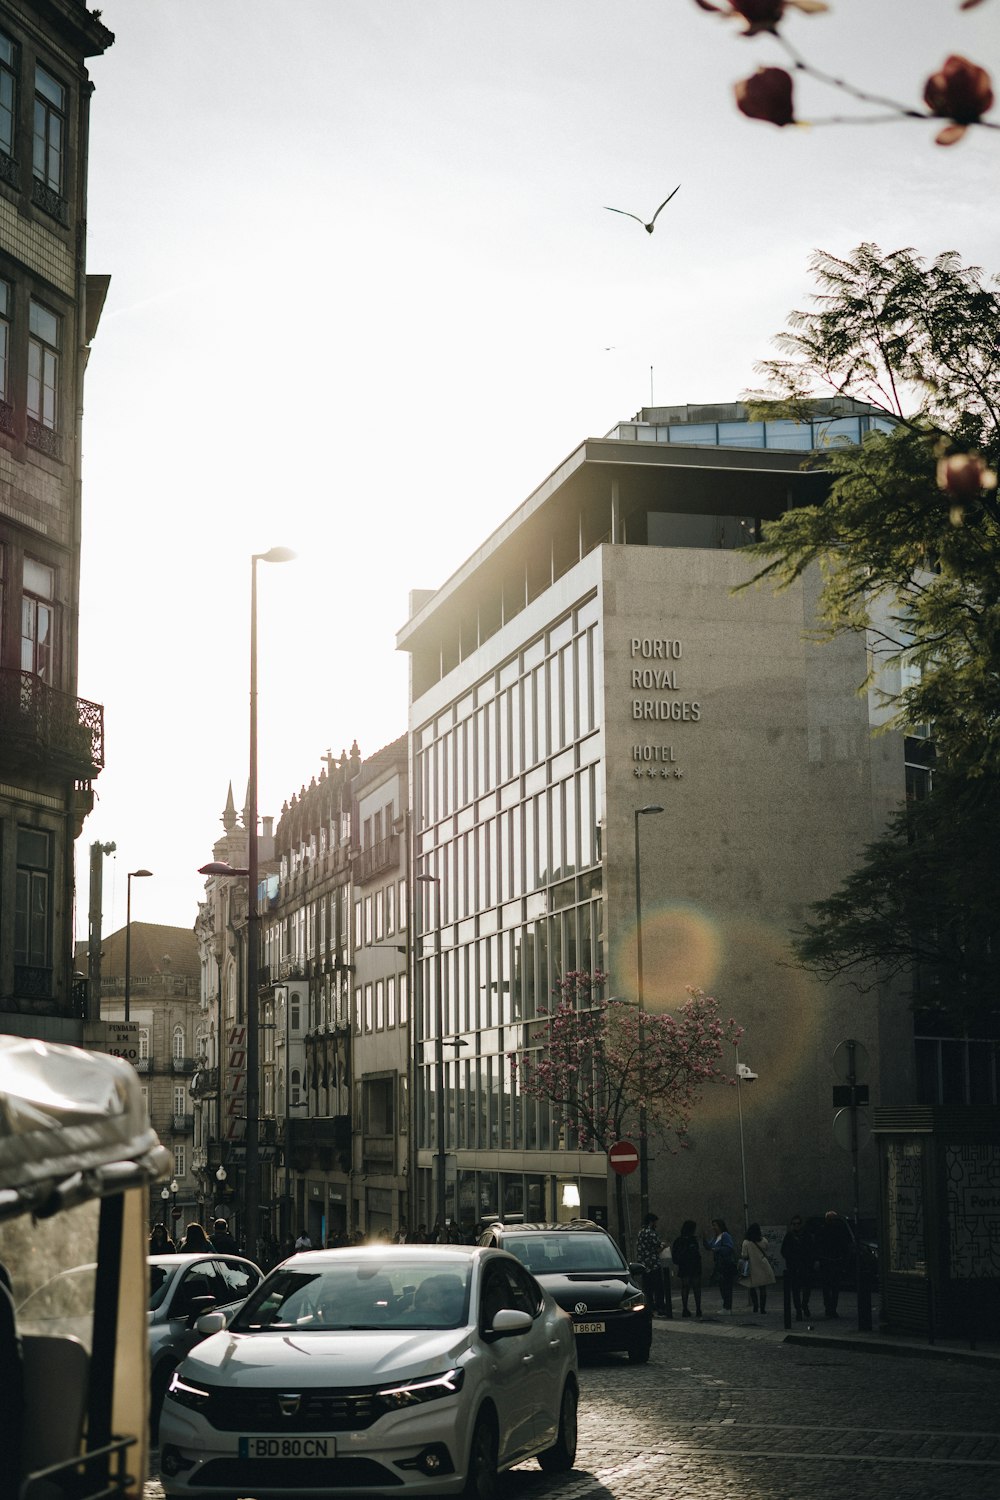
[(939, 1219)]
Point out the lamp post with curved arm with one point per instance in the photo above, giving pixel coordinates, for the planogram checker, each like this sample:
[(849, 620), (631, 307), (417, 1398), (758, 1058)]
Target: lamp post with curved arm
[(132, 875), (643, 1150)]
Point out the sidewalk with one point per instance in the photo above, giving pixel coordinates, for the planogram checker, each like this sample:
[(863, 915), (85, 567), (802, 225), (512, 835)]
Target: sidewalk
[(839, 1333)]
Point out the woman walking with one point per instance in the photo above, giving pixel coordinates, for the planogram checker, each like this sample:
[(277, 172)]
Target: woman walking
[(756, 1272), (724, 1250)]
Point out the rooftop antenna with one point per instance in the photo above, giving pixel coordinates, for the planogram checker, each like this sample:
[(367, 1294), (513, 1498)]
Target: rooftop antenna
[(651, 401)]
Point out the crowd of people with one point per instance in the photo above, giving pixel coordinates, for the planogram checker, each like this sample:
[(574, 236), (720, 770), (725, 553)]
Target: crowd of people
[(814, 1252)]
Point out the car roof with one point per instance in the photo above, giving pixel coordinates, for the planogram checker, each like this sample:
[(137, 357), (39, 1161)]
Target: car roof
[(382, 1252), (574, 1226), (189, 1257)]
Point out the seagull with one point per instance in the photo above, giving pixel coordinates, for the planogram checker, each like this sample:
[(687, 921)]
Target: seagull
[(647, 227)]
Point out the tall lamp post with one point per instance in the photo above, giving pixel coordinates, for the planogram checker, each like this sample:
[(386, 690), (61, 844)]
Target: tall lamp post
[(132, 875), (439, 1180), (744, 1074), (643, 1150), (251, 1206)]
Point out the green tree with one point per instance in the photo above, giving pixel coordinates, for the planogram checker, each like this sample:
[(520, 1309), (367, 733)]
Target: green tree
[(907, 538), (907, 544), (923, 901)]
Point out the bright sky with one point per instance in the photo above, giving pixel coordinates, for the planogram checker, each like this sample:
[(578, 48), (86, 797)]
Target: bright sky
[(365, 297)]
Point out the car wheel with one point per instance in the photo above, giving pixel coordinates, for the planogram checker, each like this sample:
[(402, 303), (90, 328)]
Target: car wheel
[(481, 1480), (639, 1356), (561, 1456)]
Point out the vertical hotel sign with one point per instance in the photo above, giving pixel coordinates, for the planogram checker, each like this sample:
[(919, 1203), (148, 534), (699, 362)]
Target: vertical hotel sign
[(236, 1084)]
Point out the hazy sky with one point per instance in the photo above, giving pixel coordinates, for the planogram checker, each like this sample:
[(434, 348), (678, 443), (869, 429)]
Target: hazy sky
[(365, 297)]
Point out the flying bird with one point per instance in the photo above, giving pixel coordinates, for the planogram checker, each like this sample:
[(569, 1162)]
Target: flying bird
[(647, 227)]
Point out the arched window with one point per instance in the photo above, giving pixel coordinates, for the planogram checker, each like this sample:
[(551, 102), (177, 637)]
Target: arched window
[(178, 1043), (296, 1086), (144, 1041)]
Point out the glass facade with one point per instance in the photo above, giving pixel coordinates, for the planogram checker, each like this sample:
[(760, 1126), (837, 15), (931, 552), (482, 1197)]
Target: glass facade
[(508, 803), (779, 433)]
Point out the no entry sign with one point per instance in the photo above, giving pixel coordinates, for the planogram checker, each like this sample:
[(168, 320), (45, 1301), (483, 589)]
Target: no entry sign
[(624, 1158)]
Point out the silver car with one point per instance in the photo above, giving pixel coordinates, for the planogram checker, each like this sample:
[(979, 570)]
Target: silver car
[(423, 1369), (181, 1288)]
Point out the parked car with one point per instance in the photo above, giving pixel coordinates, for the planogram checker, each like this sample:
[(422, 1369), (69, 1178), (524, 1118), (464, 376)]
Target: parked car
[(584, 1270), (421, 1369), (181, 1288)]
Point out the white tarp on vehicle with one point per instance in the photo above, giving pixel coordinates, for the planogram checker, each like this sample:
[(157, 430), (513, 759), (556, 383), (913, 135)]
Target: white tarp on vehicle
[(73, 1126)]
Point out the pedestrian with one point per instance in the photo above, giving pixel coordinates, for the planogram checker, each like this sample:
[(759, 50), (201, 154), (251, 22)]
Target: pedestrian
[(400, 1237), (303, 1242), (686, 1253), (798, 1251), (160, 1242), (647, 1252), (417, 1236), (756, 1271), (195, 1241), (833, 1244), (223, 1240), (720, 1242)]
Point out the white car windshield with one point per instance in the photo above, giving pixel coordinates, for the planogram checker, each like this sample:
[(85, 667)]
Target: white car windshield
[(358, 1294), (567, 1254)]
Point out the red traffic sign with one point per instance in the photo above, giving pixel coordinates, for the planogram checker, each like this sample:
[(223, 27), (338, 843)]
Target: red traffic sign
[(175, 1213), (624, 1158)]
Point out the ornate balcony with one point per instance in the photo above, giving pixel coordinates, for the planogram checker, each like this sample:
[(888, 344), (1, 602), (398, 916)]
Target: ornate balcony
[(183, 1125), (48, 728)]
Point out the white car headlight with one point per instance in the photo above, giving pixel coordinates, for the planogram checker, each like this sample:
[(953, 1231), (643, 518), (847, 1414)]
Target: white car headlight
[(182, 1391), (427, 1388)]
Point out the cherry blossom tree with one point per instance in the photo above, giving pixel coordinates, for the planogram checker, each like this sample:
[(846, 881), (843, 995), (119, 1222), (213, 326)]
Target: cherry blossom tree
[(959, 92), (606, 1066)]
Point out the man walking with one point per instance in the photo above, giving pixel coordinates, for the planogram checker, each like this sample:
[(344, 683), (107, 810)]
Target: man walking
[(647, 1253), (799, 1255), (833, 1246)]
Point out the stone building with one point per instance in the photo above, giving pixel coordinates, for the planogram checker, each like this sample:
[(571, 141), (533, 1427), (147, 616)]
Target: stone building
[(52, 742), (164, 974), (590, 698)]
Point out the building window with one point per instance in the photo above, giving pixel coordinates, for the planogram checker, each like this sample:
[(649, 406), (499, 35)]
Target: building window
[(8, 93), (294, 1012), (144, 1042), (180, 1099), (296, 1090), (32, 901), (180, 1161), (50, 130), (43, 365), (177, 1044), (37, 620)]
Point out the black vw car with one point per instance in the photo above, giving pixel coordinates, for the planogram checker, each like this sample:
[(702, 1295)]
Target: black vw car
[(580, 1265)]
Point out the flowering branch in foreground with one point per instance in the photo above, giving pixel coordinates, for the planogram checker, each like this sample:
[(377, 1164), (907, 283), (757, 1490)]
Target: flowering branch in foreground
[(960, 92)]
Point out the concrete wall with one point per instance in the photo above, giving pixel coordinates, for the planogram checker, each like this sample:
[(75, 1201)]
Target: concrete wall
[(772, 784)]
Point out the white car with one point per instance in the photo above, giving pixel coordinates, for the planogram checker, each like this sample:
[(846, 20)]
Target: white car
[(423, 1369)]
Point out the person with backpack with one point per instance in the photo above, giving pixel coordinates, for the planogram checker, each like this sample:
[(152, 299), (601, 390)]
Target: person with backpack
[(724, 1251), (686, 1254)]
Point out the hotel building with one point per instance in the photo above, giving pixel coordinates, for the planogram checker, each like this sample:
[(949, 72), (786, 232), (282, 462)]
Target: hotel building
[(590, 659)]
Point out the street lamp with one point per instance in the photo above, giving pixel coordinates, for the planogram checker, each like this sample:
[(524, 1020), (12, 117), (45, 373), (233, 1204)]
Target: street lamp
[(643, 1152), (165, 1196), (743, 1075), (168, 1194), (435, 881), (132, 875), (251, 1204)]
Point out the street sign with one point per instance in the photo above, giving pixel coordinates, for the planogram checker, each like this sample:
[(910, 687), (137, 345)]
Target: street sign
[(845, 1054), (175, 1213), (843, 1134), (624, 1158)]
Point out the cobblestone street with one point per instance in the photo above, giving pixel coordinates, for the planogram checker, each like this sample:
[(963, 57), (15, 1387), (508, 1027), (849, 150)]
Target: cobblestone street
[(735, 1411)]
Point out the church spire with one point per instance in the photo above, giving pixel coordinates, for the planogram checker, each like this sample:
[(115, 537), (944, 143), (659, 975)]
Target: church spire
[(229, 816)]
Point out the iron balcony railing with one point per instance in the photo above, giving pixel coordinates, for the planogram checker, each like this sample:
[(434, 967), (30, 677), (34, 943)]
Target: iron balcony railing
[(44, 725), (375, 860)]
